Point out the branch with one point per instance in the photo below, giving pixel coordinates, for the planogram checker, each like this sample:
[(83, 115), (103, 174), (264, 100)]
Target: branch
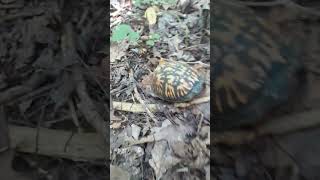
[(58, 143)]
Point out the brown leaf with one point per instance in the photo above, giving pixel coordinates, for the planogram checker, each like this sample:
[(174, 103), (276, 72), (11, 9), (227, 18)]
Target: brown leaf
[(117, 51)]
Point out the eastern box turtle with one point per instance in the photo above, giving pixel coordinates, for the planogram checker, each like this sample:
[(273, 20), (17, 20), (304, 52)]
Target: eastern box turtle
[(254, 68), (176, 81)]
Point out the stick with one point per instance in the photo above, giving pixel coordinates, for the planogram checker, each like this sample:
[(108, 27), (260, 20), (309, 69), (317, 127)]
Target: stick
[(57, 143), (139, 98), (278, 126), (4, 139), (87, 107), (133, 107)]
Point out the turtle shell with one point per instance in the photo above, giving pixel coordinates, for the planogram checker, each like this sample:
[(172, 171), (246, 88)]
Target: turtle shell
[(176, 82), (254, 68)]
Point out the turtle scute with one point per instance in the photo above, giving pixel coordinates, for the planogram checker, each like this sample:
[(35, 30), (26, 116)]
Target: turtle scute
[(176, 82)]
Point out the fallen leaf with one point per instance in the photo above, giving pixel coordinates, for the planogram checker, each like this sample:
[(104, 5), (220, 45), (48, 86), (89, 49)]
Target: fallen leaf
[(135, 131), (116, 125), (162, 159), (117, 51), (151, 15), (118, 173)]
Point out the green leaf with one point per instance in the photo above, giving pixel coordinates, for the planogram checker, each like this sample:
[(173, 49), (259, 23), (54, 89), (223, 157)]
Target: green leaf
[(120, 32), (150, 42), (134, 36), (123, 32), (155, 36)]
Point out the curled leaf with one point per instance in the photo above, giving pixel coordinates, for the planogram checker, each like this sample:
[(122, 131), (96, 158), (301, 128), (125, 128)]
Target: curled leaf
[(151, 14)]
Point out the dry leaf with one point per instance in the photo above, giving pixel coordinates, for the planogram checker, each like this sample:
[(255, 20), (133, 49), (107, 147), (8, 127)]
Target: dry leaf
[(161, 159), (116, 125), (118, 173), (135, 131), (117, 51), (151, 15)]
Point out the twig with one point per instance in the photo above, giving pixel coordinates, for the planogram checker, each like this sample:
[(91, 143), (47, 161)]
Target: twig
[(138, 97), (4, 137), (13, 93), (74, 116), (193, 102), (140, 108), (196, 46), (20, 15), (288, 3), (143, 140), (18, 91), (233, 137), (200, 123), (291, 123), (266, 3), (133, 107), (34, 93), (87, 107), (81, 147), (278, 126), (200, 63), (11, 6)]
